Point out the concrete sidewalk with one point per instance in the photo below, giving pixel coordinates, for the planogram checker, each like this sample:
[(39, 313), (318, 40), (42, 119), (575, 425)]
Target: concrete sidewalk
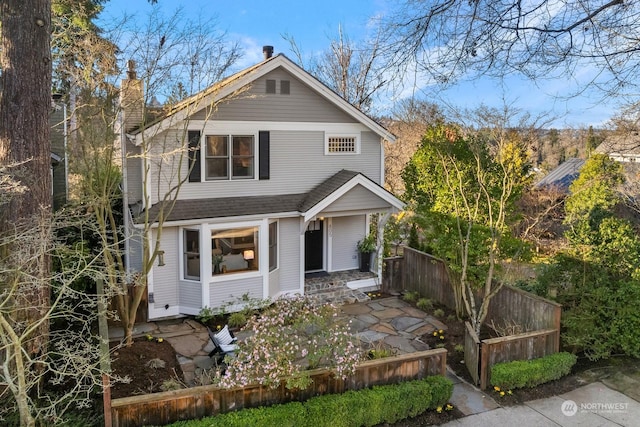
[(591, 405)]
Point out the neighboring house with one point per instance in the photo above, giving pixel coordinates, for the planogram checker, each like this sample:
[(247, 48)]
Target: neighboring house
[(623, 147), (561, 177), (281, 180)]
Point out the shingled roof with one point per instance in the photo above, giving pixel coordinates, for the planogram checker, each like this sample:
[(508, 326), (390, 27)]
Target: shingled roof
[(562, 176), (252, 205)]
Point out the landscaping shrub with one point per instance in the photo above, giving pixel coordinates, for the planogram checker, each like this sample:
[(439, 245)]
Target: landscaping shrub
[(289, 330), (411, 296), (530, 373), (367, 407), (237, 320), (424, 304)]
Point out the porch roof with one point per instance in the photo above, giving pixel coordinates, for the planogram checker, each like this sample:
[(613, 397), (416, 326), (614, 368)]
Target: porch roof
[(302, 203)]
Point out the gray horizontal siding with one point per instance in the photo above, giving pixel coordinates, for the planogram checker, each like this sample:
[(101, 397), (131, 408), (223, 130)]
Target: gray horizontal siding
[(232, 290), (356, 199), (190, 294), (290, 253), (134, 174), (274, 282), (346, 233), (135, 249), (298, 164), (302, 104), (165, 278)]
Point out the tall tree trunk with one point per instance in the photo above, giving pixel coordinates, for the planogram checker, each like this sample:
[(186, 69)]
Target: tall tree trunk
[(25, 104)]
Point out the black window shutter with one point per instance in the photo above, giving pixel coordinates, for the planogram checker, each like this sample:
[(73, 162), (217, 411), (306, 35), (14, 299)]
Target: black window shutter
[(263, 141), (194, 155)]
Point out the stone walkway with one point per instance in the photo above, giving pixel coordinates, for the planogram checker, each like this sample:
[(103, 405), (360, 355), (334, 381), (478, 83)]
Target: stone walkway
[(341, 287), (393, 322)]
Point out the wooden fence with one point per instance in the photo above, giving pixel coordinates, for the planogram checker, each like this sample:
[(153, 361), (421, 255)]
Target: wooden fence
[(472, 352), (197, 402), (512, 305), (420, 272), (525, 346), (539, 317)]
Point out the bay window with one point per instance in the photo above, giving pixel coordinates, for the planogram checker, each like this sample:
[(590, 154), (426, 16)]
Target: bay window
[(191, 254), (234, 250)]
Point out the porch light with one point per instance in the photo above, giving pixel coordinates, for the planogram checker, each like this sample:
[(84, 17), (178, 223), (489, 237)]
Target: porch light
[(160, 258)]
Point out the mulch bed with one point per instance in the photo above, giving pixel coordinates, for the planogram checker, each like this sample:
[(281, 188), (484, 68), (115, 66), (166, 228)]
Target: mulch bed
[(148, 365)]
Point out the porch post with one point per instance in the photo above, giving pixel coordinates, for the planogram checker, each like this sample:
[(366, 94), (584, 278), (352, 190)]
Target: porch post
[(380, 244)]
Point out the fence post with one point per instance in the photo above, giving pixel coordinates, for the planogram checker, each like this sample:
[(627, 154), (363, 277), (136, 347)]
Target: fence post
[(484, 365), (556, 321)]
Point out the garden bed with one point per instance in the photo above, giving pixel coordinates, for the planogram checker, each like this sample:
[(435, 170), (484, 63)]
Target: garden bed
[(139, 363)]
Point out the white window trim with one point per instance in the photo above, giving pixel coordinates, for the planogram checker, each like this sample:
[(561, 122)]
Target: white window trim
[(181, 250), (230, 135), (328, 135)]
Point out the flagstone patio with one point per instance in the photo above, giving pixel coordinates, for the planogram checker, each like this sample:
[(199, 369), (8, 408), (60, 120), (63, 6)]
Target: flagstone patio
[(389, 322)]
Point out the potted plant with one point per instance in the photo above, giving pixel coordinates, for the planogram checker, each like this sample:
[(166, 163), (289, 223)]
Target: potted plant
[(366, 247)]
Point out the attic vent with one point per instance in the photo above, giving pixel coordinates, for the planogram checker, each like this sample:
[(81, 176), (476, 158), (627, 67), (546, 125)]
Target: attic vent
[(285, 86), (271, 86), (342, 144)]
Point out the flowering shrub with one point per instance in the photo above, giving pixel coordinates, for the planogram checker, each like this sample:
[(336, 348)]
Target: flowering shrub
[(292, 333)]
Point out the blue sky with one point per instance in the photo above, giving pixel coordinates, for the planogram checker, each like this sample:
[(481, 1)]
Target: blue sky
[(255, 23)]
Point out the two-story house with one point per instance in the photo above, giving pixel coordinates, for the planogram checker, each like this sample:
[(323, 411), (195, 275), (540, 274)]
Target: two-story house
[(278, 176)]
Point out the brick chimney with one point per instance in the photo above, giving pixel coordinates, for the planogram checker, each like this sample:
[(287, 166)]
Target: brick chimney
[(132, 99), (267, 51)]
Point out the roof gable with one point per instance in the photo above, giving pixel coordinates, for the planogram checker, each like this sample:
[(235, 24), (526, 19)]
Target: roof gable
[(300, 104), (237, 83)]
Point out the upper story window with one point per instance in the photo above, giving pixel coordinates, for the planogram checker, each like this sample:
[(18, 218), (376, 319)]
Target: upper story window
[(342, 144), (230, 156)]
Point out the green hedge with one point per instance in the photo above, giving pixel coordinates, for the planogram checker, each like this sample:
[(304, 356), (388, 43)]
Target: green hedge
[(367, 407), (530, 373)]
